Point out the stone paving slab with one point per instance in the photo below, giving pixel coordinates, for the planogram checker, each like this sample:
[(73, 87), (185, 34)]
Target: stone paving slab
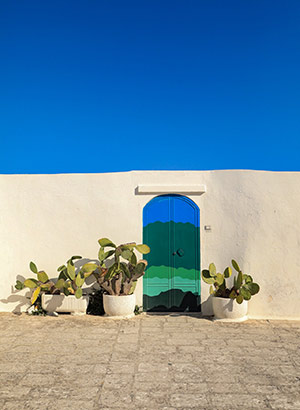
[(148, 362)]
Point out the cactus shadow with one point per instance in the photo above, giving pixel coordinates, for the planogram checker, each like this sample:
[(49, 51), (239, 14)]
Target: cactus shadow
[(19, 297), (52, 304), (93, 289), (90, 281), (206, 308)]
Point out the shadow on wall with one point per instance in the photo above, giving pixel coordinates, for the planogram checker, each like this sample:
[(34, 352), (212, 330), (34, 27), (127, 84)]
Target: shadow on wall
[(23, 299), (206, 307), (188, 302)]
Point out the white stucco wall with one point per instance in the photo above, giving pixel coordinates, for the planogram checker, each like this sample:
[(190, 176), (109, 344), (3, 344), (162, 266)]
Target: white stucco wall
[(254, 218)]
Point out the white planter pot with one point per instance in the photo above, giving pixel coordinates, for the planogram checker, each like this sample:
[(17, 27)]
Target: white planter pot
[(228, 309), (119, 307), (65, 304)]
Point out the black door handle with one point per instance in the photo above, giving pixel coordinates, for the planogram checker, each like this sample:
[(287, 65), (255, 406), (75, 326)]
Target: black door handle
[(179, 252)]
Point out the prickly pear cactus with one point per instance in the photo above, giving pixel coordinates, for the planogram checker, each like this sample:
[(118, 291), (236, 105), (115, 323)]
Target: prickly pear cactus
[(243, 289), (69, 281), (120, 277), (40, 284)]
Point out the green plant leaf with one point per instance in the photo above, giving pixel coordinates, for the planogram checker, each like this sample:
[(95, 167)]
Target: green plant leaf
[(209, 281), (140, 267), (132, 289), (89, 267), (67, 284), (107, 254), (59, 284), (35, 295), (142, 248), (239, 280), (33, 267), (125, 269), (78, 293), (133, 259), (248, 279), (227, 272), (42, 276), (245, 293), (211, 290), (253, 288), (206, 277), (212, 269), (19, 285), (47, 286), (106, 242), (79, 280), (71, 271), (101, 254), (73, 258), (240, 299), (219, 279), (111, 271), (130, 246), (61, 268), (126, 254), (31, 283), (232, 294), (63, 274), (235, 265)]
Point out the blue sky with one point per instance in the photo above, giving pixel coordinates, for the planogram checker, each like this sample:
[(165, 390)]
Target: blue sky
[(103, 86)]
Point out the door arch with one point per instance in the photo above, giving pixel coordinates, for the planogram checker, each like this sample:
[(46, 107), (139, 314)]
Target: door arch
[(172, 279)]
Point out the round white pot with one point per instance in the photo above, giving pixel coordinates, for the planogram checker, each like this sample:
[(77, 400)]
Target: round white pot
[(228, 309), (119, 307)]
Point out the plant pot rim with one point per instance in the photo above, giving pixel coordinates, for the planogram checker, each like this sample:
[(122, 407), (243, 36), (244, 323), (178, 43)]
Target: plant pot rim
[(221, 297), (61, 294), (117, 296), (225, 298)]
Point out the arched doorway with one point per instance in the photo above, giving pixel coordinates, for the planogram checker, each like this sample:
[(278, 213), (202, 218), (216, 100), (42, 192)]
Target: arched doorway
[(172, 279)]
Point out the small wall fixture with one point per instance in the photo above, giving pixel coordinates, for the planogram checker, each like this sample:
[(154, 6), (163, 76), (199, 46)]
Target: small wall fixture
[(207, 228)]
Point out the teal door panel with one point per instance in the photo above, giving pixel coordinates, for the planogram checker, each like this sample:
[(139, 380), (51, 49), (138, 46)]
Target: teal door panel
[(172, 279)]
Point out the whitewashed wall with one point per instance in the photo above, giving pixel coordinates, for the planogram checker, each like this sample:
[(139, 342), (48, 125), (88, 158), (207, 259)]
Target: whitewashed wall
[(254, 218)]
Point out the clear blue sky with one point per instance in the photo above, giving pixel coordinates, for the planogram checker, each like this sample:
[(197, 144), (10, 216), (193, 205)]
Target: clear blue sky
[(102, 86)]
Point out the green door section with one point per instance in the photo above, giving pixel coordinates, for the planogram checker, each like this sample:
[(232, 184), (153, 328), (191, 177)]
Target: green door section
[(172, 279)]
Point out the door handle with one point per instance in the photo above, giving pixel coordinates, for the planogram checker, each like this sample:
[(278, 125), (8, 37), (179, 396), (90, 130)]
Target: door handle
[(179, 252)]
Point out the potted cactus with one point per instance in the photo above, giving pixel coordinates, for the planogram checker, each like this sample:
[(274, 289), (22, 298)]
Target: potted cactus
[(119, 279), (230, 303), (63, 294)]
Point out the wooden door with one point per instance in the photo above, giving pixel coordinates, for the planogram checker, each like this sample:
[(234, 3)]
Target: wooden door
[(172, 279)]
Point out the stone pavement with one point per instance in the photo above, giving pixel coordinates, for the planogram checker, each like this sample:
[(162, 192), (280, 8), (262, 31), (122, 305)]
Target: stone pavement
[(149, 362)]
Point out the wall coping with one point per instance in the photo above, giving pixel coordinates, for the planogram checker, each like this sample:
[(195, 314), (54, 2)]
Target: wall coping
[(142, 189)]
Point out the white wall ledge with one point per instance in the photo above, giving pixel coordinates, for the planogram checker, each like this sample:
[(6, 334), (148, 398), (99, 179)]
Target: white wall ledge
[(170, 189)]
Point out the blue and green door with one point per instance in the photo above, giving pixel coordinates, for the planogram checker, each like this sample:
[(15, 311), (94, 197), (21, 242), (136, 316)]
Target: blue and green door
[(172, 279)]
